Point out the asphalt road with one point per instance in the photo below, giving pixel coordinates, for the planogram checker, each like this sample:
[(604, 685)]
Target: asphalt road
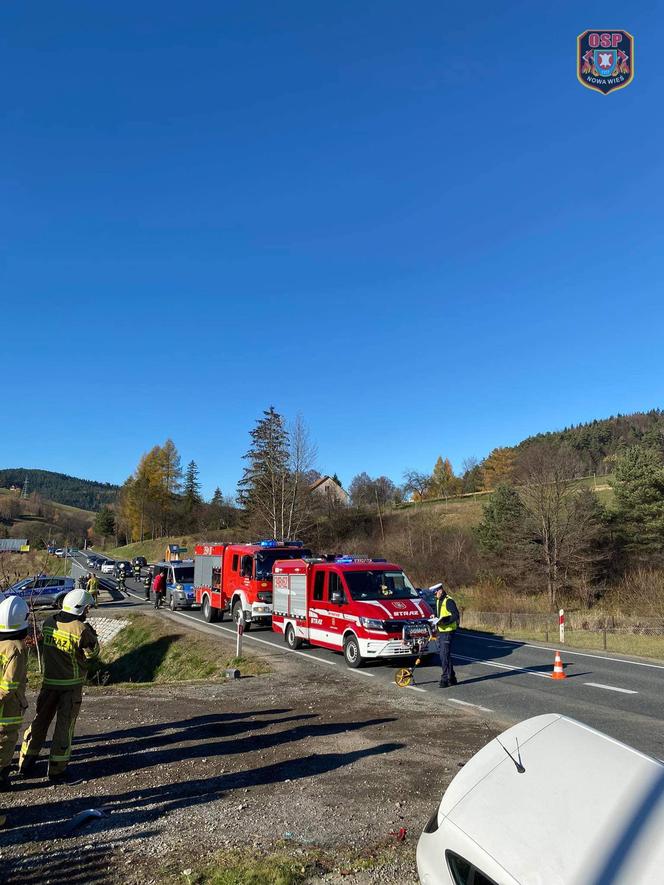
[(510, 680)]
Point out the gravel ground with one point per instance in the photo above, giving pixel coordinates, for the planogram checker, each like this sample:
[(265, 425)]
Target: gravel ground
[(307, 757)]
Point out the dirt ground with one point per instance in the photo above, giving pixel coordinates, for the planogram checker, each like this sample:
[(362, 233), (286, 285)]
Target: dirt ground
[(308, 756)]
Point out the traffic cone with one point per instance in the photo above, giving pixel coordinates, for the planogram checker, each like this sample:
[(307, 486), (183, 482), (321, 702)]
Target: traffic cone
[(558, 672)]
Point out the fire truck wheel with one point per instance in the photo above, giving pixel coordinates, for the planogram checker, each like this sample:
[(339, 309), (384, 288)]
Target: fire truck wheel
[(352, 652), (172, 604), (292, 641), (238, 615), (209, 613)]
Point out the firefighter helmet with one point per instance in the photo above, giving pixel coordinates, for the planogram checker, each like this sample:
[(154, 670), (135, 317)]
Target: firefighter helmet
[(76, 602), (14, 614)]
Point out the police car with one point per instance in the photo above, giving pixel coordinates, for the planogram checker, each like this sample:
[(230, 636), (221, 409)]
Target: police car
[(179, 578), (42, 590)]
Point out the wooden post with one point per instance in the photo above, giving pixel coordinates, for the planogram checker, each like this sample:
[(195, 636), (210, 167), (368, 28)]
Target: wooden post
[(238, 644)]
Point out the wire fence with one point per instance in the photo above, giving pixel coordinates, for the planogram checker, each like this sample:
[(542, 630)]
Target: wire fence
[(629, 634)]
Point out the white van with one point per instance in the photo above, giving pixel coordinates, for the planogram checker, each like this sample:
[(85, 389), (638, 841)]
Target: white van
[(550, 801)]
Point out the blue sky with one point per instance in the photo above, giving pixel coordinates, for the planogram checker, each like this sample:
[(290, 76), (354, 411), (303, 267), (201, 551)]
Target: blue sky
[(410, 224)]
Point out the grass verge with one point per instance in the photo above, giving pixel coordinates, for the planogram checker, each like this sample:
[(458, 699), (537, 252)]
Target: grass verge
[(286, 865), (150, 651)]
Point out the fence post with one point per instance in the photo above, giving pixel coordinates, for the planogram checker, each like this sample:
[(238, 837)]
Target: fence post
[(238, 644), (510, 620), (604, 637), (561, 622)]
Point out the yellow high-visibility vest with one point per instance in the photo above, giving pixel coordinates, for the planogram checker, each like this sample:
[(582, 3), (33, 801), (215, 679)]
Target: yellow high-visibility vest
[(444, 612)]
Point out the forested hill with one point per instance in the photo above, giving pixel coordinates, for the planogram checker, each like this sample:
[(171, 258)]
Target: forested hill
[(63, 489), (598, 441)]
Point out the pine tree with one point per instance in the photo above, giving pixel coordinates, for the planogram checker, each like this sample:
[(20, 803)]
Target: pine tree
[(639, 491), (262, 489), (192, 487)]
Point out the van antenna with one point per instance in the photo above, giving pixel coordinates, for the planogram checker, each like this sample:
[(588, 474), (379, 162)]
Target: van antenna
[(518, 764)]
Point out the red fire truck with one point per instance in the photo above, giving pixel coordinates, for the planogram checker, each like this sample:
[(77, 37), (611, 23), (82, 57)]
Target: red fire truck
[(237, 578), (366, 608)]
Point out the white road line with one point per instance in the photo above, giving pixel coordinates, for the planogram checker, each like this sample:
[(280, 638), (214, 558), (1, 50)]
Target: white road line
[(467, 704), (610, 687), (415, 688), (292, 651), (568, 651), (359, 672), (502, 666)]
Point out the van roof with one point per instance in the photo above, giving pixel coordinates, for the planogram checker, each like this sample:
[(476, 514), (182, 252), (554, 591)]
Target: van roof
[(587, 809)]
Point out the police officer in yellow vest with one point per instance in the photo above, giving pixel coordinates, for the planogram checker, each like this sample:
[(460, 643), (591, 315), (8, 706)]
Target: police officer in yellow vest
[(70, 645), (447, 615), (14, 614)]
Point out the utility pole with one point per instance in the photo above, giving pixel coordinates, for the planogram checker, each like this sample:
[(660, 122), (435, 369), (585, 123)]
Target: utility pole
[(24, 490)]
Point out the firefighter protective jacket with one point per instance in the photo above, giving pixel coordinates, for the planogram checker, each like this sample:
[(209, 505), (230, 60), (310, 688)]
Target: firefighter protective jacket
[(69, 648), (448, 613), (13, 674)]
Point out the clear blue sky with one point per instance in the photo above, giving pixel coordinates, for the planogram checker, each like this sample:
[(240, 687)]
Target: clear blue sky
[(406, 221)]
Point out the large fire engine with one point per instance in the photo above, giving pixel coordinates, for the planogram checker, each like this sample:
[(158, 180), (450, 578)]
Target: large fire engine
[(366, 608), (237, 578)]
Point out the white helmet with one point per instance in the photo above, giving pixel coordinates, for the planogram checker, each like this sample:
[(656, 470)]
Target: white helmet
[(76, 602), (14, 614)]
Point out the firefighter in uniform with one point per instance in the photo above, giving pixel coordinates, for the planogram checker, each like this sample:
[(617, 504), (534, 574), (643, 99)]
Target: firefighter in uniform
[(447, 614), (14, 614), (70, 645), (93, 589)]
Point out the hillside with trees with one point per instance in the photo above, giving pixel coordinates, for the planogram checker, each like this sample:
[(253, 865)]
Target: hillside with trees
[(60, 488)]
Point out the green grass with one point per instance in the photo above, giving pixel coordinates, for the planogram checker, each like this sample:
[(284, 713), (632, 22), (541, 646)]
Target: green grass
[(233, 867), (150, 650)]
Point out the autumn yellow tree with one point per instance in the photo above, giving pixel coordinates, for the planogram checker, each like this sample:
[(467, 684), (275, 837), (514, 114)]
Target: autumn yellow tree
[(498, 467)]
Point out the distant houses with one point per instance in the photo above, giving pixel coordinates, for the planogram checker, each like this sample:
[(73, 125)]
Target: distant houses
[(331, 488)]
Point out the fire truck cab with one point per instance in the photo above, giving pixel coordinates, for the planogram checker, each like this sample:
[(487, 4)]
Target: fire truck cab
[(237, 578), (366, 608)]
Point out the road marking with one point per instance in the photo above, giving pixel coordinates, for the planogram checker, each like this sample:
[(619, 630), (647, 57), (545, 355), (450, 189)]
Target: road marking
[(467, 704), (415, 688), (358, 672), (502, 666), (292, 651), (610, 687), (568, 651)]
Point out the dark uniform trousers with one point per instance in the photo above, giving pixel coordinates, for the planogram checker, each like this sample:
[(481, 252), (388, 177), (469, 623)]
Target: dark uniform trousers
[(64, 705)]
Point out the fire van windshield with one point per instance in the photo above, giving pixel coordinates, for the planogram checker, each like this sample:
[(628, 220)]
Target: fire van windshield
[(379, 585), (265, 561)]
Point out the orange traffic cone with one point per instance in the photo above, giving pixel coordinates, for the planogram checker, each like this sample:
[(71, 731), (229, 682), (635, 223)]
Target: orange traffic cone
[(558, 672)]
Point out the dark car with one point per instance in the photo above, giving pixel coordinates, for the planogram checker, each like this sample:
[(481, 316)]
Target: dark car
[(42, 590), (123, 566), (140, 561), (94, 561)]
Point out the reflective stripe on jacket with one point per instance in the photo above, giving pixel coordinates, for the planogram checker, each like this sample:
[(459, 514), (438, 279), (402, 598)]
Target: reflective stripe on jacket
[(443, 611), (69, 647), (13, 676)]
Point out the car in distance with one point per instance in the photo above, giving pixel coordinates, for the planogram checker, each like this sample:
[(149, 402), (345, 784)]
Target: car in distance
[(42, 590), (122, 567), (93, 561), (140, 561), (108, 567), (548, 801), (59, 551)]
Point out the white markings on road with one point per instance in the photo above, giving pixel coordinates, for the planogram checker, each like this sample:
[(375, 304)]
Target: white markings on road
[(501, 666), (358, 672), (567, 651), (415, 688), (610, 687), (246, 636), (468, 704)]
